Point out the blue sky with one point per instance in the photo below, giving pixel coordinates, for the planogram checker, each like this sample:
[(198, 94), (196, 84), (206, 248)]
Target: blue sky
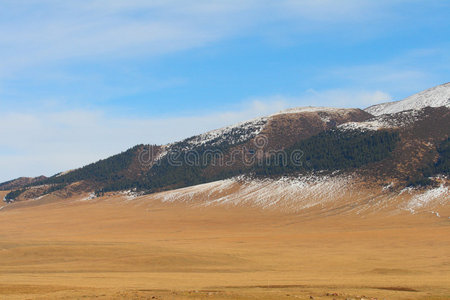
[(81, 80)]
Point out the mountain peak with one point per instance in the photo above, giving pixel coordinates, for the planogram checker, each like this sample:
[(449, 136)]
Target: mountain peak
[(435, 97)]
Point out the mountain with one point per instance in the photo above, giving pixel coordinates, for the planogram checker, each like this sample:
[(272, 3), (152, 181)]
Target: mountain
[(396, 145), (434, 97), (149, 167)]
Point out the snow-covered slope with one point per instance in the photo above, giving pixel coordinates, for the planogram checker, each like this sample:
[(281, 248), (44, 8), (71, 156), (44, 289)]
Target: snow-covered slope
[(306, 109), (286, 193), (394, 120), (233, 134), (330, 194), (434, 97)]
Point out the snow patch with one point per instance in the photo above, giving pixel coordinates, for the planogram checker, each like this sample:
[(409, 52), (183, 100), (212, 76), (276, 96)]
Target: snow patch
[(388, 187), (304, 109), (131, 194), (434, 97), (407, 189), (89, 197), (441, 193), (292, 193), (39, 198), (436, 214), (397, 120), (363, 126), (233, 134)]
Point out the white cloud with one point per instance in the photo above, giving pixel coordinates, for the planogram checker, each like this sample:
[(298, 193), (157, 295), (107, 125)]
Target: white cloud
[(402, 75), (396, 78), (42, 32), (331, 11)]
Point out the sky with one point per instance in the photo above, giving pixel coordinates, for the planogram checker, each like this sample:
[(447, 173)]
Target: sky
[(83, 80)]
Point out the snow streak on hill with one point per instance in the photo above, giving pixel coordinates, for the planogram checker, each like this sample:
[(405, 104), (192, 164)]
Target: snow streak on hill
[(286, 193), (394, 120), (434, 97), (233, 134), (338, 193), (308, 109)]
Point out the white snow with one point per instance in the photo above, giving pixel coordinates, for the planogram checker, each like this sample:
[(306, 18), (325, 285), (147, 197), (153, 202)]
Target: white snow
[(388, 187), (162, 153), (396, 120), (233, 134), (436, 213), (89, 197), (425, 198), (434, 97), (400, 119), (131, 194), (364, 126), (408, 190), (304, 109), (292, 193), (325, 118)]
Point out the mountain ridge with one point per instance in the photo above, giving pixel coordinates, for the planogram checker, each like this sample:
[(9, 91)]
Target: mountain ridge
[(434, 97), (148, 168)]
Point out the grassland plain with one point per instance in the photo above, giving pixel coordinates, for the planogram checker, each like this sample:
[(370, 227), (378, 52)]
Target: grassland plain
[(111, 248)]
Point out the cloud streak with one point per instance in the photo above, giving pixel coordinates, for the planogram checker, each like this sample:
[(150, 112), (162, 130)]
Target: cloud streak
[(411, 72), (38, 32)]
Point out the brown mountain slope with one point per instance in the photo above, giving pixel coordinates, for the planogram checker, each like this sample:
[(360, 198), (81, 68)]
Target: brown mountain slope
[(20, 182), (283, 130), (421, 132)]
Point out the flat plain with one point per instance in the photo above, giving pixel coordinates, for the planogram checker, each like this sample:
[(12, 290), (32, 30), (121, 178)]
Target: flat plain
[(111, 248)]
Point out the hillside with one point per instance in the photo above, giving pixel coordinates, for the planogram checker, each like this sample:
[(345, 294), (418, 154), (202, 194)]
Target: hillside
[(20, 182), (402, 142)]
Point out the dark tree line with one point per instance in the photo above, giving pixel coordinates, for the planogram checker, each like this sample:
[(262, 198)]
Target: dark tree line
[(329, 150), (101, 171), (11, 196), (334, 150), (440, 167)]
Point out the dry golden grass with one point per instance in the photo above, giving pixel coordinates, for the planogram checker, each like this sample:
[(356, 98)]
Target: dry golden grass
[(114, 249)]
